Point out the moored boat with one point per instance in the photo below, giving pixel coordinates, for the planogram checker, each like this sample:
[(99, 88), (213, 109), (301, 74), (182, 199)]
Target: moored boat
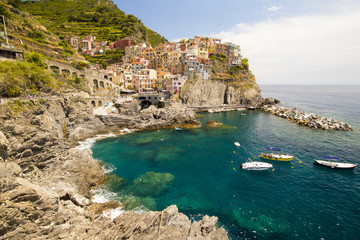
[(258, 166), (276, 156), (335, 165), (178, 129)]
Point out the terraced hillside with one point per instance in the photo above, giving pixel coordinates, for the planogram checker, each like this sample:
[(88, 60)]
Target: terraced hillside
[(100, 18)]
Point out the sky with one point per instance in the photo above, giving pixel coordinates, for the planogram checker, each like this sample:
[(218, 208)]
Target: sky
[(286, 41)]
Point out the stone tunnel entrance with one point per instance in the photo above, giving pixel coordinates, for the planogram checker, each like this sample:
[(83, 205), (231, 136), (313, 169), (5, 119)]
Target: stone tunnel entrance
[(145, 104)]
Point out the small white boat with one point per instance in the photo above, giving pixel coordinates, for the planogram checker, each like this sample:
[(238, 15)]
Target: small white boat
[(335, 165), (237, 144), (210, 110), (258, 166), (178, 129)]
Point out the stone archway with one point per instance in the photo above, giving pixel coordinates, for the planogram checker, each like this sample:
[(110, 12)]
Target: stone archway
[(99, 103), (93, 103), (65, 72), (55, 68), (102, 84)]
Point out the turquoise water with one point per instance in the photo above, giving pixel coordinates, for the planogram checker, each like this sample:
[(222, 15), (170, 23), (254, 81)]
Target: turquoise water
[(294, 201)]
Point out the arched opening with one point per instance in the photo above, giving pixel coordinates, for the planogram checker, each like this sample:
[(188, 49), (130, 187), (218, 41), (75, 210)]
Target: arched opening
[(99, 103), (93, 103), (55, 68), (96, 84), (65, 72), (145, 104), (102, 84)]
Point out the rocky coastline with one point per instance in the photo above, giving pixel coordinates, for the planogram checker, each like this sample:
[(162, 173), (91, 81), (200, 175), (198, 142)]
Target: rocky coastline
[(45, 180), (306, 119)]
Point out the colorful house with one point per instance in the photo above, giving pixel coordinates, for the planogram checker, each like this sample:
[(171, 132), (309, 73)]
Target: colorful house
[(176, 83)]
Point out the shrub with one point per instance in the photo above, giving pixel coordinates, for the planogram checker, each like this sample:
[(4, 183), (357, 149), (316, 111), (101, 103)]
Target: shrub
[(18, 77), (36, 58)]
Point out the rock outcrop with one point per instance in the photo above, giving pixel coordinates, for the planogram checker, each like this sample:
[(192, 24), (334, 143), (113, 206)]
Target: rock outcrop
[(45, 182), (208, 93)]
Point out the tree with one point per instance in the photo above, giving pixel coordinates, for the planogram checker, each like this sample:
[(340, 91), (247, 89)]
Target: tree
[(245, 63)]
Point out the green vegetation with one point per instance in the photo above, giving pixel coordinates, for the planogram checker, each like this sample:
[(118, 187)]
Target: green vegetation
[(220, 57), (245, 63), (110, 57), (100, 18), (237, 76), (18, 77), (36, 58), (66, 47)]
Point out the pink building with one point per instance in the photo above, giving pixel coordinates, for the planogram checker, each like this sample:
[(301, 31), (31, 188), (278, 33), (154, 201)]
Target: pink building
[(144, 80), (177, 82)]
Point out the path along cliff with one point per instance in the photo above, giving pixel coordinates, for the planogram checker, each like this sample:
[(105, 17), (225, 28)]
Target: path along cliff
[(45, 180)]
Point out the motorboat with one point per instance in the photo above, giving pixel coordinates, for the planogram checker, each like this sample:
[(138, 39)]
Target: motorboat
[(329, 163), (237, 144), (210, 110), (276, 156), (258, 166)]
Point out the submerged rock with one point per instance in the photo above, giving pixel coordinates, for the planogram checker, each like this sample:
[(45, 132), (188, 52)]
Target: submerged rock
[(212, 124), (151, 184), (261, 224), (114, 182)]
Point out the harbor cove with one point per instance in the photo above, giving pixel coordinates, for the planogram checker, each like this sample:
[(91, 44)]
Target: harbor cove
[(199, 169)]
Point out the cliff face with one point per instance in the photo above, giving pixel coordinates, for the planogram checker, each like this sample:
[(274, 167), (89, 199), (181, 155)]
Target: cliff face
[(209, 93), (45, 182), (228, 84)]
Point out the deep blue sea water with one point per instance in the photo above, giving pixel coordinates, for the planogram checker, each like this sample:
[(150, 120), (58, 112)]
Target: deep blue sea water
[(296, 200)]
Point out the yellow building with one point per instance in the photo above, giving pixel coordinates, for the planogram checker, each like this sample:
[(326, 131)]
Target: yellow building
[(148, 53), (162, 64), (162, 78), (203, 51), (212, 49)]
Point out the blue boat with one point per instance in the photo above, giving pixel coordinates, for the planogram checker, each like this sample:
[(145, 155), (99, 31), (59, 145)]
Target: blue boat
[(178, 129)]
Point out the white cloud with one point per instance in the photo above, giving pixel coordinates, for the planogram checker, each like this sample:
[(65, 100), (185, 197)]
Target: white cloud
[(274, 8), (320, 49)]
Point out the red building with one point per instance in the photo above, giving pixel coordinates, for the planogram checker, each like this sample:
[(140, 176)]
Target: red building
[(122, 43)]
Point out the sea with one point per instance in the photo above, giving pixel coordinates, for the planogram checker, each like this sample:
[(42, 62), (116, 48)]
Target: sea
[(199, 169)]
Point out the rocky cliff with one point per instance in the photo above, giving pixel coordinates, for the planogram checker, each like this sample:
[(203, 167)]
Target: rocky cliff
[(210, 93), (45, 182), (228, 84)]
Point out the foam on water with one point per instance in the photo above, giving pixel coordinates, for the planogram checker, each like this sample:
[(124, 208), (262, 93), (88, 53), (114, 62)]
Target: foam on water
[(101, 195), (126, 130), (108, 168), (113, 213), (88, 143)]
